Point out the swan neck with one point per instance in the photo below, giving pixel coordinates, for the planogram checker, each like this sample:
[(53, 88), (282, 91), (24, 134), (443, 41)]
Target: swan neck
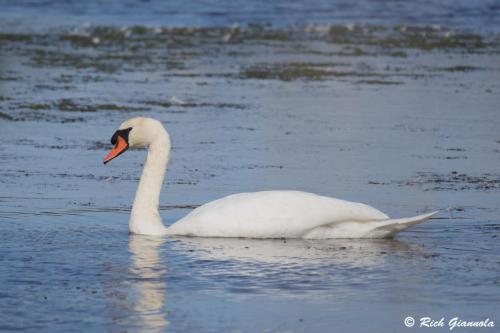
[(145, 216)]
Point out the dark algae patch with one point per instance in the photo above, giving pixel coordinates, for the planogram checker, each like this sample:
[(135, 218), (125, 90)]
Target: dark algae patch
[(375, 82), (460, 68), (13, 37), (453, 181), (5, 116), (192, 104), (285, 73), (71, 106), (35, 106), (422, 38), (295, 71), (116, 107)]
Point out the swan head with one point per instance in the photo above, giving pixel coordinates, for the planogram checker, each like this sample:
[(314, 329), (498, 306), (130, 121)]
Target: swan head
[(139, 132)]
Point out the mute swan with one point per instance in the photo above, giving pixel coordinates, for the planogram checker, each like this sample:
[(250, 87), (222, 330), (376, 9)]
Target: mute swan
[(267, 214)]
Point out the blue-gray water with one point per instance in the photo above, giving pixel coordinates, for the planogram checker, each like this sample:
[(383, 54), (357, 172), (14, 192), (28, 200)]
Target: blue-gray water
[(34, 14), (395, 104)]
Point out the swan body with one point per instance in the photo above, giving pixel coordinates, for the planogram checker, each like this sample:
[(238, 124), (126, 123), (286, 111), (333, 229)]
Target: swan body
[(266, 214), (284, 214)]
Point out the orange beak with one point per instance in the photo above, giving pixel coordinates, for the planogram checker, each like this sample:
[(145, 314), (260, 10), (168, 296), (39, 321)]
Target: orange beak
[(120, 146)]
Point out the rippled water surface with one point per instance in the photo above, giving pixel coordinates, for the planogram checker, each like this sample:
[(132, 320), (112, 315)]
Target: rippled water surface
[(395, 104)]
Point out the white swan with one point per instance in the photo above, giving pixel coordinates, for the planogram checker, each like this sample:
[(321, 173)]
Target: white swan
[(268, 214)]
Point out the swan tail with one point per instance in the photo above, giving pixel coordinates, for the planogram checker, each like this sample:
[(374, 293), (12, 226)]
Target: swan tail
[(389, 228)]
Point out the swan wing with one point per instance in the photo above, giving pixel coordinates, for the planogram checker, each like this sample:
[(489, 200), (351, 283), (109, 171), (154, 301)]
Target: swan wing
[(272, 214)]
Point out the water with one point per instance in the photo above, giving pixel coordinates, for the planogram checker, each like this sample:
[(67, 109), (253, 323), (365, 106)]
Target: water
[(397, 108), (457, 13)]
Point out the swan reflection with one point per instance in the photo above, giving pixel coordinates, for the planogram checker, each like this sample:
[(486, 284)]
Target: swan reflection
[(149, 286), (292, 268), (227, 266), (353, 252)]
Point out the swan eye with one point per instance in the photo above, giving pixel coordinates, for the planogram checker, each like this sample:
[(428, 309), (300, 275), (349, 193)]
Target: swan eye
[(123, 133)]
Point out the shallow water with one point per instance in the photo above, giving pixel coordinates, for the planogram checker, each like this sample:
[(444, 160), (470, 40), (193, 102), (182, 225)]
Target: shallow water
[(401, 116)]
